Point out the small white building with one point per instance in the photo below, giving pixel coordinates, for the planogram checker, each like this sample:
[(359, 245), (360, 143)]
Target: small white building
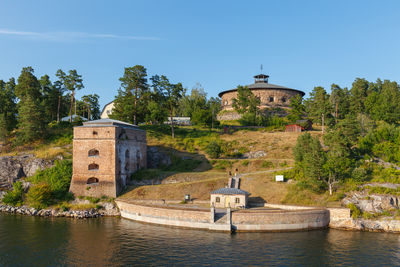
[(229, 197), (184, 121), (107, 110)]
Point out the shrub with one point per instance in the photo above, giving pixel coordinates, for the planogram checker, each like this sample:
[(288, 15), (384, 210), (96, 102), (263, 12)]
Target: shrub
[(14, 197), (213, 149), (39, 196), (267, 164), (57, 177), (354, 210), (245, 163)]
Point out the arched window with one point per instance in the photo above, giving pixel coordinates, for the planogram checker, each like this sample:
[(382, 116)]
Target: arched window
[(93, 167), (92, 180), (93, 153)]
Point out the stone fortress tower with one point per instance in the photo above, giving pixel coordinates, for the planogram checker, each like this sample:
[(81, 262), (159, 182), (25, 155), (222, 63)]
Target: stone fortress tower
[(105, 153), (271, 95)]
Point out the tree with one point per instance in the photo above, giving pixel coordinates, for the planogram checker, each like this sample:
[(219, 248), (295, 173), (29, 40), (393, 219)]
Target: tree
[(358, 95), (72, 82), (246, 102), (131, 103), (382, 103), (297, 108), (318, 106), (91, 104), (30, 124), (173, 93), (8, 106), (340, 159), (310, 157), (30, 111), (3, 128), (339, 100)]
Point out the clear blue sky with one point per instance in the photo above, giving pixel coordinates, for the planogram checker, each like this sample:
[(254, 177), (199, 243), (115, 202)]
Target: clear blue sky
[(219, 44)]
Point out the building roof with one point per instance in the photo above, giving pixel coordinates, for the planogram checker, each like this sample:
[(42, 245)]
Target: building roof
[(109, 122), (230, 191), (260, 86), (74, 117)]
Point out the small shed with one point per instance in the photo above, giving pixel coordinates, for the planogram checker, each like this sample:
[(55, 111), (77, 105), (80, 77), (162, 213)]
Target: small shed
[(294, 128), (229, 197)]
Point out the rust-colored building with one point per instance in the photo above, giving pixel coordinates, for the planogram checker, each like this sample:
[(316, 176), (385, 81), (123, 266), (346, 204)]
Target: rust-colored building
[(294, 128), (105, 153), (271, 95)]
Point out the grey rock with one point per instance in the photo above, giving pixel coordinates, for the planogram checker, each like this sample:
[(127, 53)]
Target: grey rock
[(254, 155), (13, 168)]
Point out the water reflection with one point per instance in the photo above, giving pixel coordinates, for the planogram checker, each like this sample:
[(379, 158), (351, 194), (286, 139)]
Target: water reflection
[(30, 241)]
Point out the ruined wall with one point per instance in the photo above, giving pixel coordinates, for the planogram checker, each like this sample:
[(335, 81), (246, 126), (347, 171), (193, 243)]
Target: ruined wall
[(279, 97), (131, 152)]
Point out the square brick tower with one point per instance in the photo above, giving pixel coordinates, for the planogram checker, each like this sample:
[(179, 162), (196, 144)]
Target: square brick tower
[(105, 153)]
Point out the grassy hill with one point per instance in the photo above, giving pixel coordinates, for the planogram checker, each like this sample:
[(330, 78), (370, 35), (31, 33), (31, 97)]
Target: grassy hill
[(275, 156)]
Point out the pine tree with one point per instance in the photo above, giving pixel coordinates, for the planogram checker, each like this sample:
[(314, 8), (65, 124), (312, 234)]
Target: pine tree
[(131, 102), (31, 124)]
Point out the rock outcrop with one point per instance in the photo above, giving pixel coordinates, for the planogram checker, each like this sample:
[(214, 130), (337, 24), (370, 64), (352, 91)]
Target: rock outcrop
[(13, 168), (372, 203)]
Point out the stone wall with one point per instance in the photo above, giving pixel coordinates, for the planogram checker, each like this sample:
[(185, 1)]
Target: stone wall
[(279, 97), (118, 152), (241, 220), (280, 220)]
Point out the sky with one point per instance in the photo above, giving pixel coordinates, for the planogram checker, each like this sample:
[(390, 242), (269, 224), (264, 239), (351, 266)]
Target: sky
[(219, 44)]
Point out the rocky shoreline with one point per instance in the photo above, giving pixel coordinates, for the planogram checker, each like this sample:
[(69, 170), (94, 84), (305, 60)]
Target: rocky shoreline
[(388, 225), (78, 214)]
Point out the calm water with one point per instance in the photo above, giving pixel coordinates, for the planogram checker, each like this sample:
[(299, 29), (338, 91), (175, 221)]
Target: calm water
[(32, 241)]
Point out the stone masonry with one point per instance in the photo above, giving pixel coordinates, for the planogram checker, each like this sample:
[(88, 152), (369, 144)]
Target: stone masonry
[(105, 153)]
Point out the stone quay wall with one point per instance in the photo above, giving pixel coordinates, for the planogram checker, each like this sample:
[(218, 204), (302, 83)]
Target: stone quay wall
[(190, 218), (280, 220), (239, 220)]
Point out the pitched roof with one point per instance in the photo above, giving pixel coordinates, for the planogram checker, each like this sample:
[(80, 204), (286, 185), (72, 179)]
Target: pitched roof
[(230, 191)]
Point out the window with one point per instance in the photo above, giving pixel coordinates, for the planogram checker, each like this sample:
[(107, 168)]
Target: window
[(217, 199), (92, 180), (237, 200), (271, 99), (93, 167), (95, 133), (283, 99), (93, 153), (226, 102)]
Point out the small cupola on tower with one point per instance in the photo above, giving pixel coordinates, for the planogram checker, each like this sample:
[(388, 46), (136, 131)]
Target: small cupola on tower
[(261, 78)]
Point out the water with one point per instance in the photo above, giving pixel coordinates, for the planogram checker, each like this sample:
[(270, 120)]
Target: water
[(33, 241)]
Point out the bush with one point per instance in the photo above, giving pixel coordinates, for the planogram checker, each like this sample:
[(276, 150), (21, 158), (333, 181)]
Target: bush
[(14, 197), (267, 164), (57, 177), (39, 196), (245, 163), (213, 149), (354, 210)]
